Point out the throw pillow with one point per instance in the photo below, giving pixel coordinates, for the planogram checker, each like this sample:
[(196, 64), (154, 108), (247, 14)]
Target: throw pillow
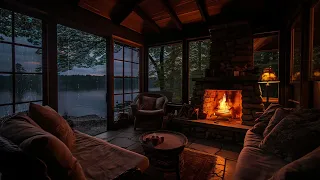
[(307, 167), (259, 127), (294, 136), (41, 144), (279, 114), (148, 103), (49, 120), (15, 164), (268, 113), (159, 102)]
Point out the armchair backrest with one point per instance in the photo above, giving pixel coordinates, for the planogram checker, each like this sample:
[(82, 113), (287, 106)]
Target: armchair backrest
[(161, 100)]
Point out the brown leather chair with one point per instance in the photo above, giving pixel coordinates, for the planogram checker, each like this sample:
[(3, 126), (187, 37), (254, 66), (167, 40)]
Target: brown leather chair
[(148, 110)]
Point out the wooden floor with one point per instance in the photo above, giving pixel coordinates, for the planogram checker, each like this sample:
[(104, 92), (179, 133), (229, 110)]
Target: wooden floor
[(129, 139)]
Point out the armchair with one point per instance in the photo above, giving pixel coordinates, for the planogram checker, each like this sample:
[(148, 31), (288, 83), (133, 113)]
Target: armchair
[(148, 110)]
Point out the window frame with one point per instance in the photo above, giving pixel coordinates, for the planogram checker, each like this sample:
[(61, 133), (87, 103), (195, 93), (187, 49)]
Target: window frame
[(292, 50), (13, 72), (123, 76), (312, 35)]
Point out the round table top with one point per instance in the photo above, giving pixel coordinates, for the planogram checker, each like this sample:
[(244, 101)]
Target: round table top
[(172, 140)]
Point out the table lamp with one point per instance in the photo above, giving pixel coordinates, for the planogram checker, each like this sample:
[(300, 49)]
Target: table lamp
[(268, 77)]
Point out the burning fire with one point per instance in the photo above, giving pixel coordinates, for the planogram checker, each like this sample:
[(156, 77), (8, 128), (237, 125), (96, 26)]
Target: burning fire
[(223, 108)]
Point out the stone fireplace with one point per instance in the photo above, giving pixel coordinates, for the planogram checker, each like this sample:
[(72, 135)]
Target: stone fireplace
[(240, 93)]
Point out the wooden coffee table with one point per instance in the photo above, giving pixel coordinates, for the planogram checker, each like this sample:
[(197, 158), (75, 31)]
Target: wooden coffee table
[(165, 156)]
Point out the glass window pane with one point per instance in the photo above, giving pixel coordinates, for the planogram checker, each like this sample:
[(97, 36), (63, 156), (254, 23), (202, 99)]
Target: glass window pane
[(127, 69), (5, 111), (118, 51), (5, 25), (165, 62), (5, 89), (134, 95), (82, 60), (135, 70), (27, 30), (127, 53), (296, 51), (127, 85), (118, 85), (136, 55), (118, 68), (316, 43), (25, 106), (135, 84), (5, 57), (118, 103), (28, 59), (28, 87), (127, 101), (199, 58)]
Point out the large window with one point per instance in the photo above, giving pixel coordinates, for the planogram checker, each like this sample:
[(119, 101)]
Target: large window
[(21, 62), (165, 70), (82, 79), (266, 56), (126, 76), (316, 43), (199, 59), (296, 51)]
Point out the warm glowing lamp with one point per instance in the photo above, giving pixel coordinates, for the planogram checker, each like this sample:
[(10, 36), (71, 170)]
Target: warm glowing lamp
[(268, 77)]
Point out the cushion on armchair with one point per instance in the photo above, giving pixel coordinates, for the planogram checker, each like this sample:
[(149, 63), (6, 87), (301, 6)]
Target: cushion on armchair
[(150, 112), (159, 102), (148, 103), (49, 120)]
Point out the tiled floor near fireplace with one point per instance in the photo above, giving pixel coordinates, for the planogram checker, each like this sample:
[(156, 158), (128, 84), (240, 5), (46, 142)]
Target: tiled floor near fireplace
[(129, 139)]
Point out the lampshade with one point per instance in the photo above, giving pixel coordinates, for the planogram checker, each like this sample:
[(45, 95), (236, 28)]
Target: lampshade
[(268, 75)]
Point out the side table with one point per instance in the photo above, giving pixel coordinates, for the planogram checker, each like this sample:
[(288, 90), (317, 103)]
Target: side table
[(166, 156)]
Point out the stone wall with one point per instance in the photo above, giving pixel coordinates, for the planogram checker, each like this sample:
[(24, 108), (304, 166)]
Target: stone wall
[(232, 44)]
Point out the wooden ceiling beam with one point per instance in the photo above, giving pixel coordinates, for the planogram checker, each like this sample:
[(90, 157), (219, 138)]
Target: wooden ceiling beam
[(122, 9), (172, 13), (203, 10), (148, 19)]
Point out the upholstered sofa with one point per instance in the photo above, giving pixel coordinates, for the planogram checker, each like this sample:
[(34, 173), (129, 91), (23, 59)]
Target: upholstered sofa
[(84, 157), (256, 162)]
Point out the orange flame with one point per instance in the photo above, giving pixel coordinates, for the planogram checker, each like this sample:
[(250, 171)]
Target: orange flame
[(223, 105)]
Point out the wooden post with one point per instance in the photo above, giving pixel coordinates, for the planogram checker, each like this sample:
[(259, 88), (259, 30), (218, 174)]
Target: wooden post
[(52, 67), (144, 72), (306, 95), (110, 83)]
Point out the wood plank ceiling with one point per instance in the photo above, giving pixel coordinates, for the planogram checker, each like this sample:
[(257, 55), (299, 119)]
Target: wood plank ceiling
[(155, 16)]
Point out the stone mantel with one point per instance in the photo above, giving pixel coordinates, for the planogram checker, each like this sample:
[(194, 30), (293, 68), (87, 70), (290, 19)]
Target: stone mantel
[(226, 79)]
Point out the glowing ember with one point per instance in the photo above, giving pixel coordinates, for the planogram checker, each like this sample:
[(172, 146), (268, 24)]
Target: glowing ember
[(223, 106)]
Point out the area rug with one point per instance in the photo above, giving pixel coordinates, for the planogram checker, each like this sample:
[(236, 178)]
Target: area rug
[(198, 165)]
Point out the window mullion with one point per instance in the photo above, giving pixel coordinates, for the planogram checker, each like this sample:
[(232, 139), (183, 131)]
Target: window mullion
[(13, 63)]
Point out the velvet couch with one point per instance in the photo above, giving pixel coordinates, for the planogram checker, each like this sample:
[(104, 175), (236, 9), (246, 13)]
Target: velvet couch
[(86, 157), (291, 133)]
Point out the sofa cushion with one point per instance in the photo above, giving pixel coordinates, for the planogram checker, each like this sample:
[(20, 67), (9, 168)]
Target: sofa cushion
[(49, 120), (307, 167), (259, 127), (102, 160), (268, 113), (16, 164), (279, 114), (252, 139), (255, 164), (148, 103), (159, 102), (43, 145), (294, 136)]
